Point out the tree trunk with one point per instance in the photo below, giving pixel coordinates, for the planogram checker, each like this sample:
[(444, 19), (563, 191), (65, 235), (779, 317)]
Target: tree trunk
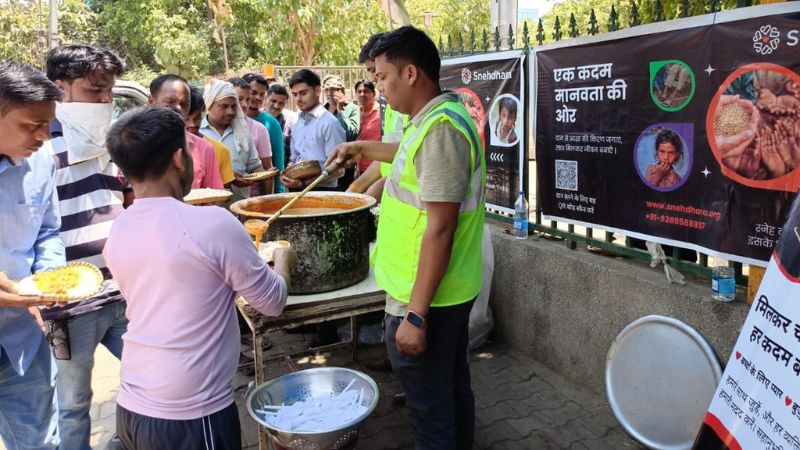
[(224, 49)]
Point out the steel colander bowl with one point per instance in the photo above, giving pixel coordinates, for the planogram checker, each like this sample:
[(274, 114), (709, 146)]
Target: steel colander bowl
[(299, 386)]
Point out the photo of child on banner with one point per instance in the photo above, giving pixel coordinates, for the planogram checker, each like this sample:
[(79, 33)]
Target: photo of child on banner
[(490, 86)]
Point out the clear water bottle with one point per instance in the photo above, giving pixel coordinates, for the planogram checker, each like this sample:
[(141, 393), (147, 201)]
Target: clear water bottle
[(723, 283), (521, 217)]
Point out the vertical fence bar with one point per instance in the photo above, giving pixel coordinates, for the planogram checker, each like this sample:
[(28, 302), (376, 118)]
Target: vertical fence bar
[(573, 26), (635, 19), (658, 12), (703, 260), (685, 6), (613, 20), (740, 278), (540, 32), (526, 37), (497, 39), (572, 244), (472, 48), (485, 41), (557, 33), (593, 28)]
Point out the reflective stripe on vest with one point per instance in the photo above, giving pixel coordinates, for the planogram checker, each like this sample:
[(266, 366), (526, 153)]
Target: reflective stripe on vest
[(393, 125), (475, 196)]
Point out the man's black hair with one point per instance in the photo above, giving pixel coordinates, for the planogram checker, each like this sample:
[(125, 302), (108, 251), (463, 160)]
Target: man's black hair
[(70, 62), (363, 56), (279, 89), (509, 105), (369, 85), (155, 85), (143, 141), (409, 45), (198, 103), (21, 84), (250, 77), (238, 82), (305, 76)]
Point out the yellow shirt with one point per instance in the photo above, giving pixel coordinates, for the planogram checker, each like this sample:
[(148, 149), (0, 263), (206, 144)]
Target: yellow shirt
[(223, 160)]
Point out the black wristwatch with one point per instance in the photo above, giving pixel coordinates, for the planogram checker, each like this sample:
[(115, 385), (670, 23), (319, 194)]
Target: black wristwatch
[(415, 319)]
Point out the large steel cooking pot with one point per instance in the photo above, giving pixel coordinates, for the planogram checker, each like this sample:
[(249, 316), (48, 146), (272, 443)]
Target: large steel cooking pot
[(331, 232)]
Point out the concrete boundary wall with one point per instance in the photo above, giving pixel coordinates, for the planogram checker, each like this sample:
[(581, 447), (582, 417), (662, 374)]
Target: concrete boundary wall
[(565, 307)]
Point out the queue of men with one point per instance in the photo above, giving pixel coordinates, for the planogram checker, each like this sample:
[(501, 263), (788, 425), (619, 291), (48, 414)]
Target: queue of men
[(112, 195)]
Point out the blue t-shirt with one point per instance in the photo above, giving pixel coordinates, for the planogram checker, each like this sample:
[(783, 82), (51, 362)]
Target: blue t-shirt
[(276, 140)]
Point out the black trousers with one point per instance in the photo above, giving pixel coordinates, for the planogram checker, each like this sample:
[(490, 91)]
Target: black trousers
[(218, 431), (437, 383)]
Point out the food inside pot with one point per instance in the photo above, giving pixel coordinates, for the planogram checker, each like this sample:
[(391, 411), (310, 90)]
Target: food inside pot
[(305, 206)]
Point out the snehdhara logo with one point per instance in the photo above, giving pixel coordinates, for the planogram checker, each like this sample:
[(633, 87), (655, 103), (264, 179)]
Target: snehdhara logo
[(466, 75), (491, 76), (766, 40)]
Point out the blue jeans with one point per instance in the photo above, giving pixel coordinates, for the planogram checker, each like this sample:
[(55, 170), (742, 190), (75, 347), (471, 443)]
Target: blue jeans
[(439, 396), (74, 379), (28, 413)]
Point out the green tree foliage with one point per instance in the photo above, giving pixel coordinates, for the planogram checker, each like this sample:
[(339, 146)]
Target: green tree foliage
[(24, 27), (162, 35), (454, 18), (309, 32), (187, 37)]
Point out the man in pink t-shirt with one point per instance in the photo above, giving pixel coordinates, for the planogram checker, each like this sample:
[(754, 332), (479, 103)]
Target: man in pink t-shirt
[(180, 267), (172, 91), (370, 117)]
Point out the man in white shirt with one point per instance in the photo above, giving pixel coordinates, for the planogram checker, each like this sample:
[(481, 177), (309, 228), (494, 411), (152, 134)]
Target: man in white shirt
[(316, 132)]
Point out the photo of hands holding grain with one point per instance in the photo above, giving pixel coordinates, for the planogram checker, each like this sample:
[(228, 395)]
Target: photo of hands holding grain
[(756, 123)]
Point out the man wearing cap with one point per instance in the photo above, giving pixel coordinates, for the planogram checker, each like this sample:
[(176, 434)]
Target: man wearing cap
[(346, 112), (348, 115)]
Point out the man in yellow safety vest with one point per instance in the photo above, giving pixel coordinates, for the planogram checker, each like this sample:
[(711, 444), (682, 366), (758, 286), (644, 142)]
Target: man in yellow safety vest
[(428, 252)]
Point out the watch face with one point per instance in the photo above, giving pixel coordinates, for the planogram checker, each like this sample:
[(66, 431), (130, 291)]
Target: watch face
[(414, 319)]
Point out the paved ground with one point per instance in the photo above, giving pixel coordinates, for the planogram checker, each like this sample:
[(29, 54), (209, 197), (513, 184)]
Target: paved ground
[(520, 404)]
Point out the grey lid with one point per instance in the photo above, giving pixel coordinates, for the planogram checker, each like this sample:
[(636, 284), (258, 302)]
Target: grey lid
[(660, 378)]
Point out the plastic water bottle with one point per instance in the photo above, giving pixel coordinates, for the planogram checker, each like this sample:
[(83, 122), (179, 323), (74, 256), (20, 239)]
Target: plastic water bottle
[(521, 217), (723, 284)]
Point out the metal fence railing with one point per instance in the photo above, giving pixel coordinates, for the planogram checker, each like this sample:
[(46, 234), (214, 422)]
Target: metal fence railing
[(598, 239)]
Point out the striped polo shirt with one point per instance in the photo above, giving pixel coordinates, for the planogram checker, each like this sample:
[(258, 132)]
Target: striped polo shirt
[(90, 197)]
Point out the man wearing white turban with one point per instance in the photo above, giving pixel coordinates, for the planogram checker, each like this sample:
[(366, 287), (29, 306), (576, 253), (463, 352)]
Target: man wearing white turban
[(226, 122)]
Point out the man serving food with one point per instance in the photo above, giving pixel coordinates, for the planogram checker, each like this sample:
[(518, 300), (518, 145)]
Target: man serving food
[(180, 268)]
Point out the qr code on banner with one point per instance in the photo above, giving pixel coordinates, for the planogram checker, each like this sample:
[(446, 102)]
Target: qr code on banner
[(567, 175)]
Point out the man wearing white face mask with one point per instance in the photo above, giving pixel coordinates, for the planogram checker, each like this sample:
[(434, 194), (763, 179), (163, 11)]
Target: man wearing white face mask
[(92, 193)]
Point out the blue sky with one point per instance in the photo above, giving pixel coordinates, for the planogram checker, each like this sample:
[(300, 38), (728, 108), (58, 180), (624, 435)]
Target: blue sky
[(544, 6)]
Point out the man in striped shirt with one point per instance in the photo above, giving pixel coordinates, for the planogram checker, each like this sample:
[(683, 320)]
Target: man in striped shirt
[(92, 192)]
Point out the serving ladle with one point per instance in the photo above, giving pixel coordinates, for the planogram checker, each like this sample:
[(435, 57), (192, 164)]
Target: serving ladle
[(258, 228)]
